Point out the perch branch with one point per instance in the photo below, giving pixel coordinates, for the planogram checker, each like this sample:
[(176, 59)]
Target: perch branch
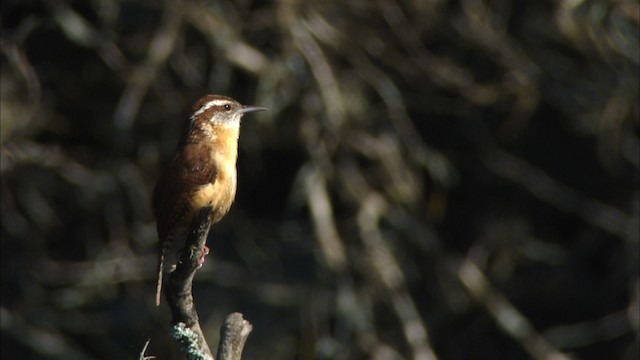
[(180, 282), (178, 291)]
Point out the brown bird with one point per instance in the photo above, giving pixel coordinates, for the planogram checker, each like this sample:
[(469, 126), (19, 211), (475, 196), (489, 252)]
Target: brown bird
[(201, 172)]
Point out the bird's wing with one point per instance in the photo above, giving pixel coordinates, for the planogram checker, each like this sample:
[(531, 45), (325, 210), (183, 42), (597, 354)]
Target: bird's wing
[(186, 172)]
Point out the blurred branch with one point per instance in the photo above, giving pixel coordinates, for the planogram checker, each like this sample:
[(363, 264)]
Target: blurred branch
[(42, 341), (390, 274), (324, 75), (83, 33), (323, 220), (506, 316), (388, 91), (548, 189), (607, 328), (223, 33), (160, 48)]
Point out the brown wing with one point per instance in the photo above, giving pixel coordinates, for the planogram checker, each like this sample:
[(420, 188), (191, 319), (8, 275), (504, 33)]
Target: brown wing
[(188, 169), (186, 172)]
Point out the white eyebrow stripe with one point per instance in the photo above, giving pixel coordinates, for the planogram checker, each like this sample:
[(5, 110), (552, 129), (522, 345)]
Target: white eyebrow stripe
[(205, 107)]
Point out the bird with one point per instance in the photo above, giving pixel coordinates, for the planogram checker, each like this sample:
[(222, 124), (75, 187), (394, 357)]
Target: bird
[(201, 172)]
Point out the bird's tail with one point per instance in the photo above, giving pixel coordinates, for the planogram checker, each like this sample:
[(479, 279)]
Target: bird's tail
[(164, 247)]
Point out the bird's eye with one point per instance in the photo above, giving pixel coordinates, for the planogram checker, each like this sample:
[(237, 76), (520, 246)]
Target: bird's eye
[(227, 107)]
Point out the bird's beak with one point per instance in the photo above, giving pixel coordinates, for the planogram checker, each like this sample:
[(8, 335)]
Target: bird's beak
[(246, 109)]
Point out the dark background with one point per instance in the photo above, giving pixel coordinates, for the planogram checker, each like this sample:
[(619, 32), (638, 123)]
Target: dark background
[(450, 179)]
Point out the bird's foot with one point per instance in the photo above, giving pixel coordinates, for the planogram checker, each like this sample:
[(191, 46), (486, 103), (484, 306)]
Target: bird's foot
[(205, 252)]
